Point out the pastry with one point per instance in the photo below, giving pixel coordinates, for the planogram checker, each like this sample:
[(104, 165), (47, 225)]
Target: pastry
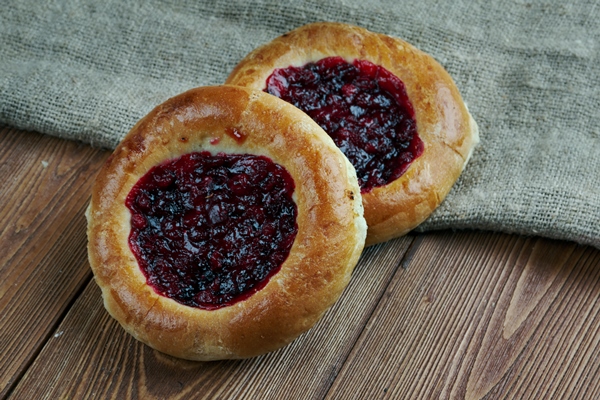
[(224, 225), (392, 109)]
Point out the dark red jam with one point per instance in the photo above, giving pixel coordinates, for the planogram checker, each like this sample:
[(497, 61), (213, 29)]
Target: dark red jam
[(211, 230), (363, 107)]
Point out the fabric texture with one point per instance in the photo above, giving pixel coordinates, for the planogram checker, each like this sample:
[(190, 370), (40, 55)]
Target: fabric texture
[(528, 70)]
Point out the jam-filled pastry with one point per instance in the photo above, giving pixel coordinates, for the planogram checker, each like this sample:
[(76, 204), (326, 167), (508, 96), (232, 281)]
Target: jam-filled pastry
[(392, 109), (224, 225)]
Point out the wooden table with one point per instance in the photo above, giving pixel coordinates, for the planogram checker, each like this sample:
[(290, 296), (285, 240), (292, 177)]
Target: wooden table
[(438, 315)]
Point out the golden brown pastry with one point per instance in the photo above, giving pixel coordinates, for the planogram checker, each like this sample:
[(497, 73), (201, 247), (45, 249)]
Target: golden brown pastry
[(224, 225), (407, 155)]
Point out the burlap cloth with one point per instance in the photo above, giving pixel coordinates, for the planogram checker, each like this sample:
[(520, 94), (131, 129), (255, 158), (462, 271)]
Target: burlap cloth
[(529, 71)]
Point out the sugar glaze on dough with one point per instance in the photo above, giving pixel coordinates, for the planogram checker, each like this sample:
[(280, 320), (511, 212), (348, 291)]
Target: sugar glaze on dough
[(330, 238), (444, 124)]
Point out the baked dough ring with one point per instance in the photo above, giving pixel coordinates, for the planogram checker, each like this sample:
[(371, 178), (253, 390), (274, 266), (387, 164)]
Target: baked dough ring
[(444, 124), (329, 240)]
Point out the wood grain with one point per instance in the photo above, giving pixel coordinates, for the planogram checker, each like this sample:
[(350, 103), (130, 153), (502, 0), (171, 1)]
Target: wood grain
[(44, 192), (441, 329)]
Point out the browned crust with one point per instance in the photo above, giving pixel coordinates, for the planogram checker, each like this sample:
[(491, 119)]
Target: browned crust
[(443, 121), (331, 229)]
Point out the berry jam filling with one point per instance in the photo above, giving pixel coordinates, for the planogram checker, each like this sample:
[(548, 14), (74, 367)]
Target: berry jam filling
[(211, 230), (363, 107)]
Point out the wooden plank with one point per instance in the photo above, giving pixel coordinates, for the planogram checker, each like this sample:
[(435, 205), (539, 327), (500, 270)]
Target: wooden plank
[(483, 316), (467, 315), (45, 190), (93, 357)]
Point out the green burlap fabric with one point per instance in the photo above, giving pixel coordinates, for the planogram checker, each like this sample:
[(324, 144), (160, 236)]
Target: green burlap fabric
[(529, 71)]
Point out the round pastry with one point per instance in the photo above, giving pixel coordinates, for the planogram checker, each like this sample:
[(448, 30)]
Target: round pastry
[(392, 109), (224, 225)]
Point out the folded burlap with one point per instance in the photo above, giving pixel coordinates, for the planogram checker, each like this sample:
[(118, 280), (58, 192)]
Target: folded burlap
[(529, 71)]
